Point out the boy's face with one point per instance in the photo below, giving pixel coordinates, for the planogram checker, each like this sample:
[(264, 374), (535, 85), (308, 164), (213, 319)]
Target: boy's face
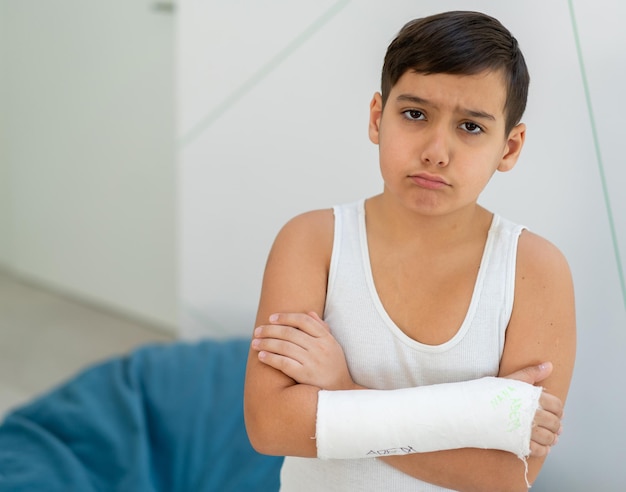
[(441, 137)]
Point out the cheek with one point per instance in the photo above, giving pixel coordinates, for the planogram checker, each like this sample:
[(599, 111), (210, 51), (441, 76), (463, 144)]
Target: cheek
[(482, 173), (390, 159), (396, 150)]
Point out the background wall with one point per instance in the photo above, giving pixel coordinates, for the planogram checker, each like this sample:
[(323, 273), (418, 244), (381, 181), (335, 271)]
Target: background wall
[(4, 168), (273, 101), (87, 175)]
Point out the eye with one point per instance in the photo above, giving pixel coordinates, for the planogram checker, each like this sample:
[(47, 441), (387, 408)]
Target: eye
[(413, 114), (472, 128)]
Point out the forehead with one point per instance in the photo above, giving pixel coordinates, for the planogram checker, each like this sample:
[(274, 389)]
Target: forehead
[(482, 92)]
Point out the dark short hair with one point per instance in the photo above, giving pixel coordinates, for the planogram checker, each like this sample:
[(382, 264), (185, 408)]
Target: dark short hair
[(459, 43)]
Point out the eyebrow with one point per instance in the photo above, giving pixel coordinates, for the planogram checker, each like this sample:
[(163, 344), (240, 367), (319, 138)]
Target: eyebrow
[(474, 113)]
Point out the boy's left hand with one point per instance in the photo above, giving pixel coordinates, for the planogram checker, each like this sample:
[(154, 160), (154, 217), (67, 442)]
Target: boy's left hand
[(302, 347)]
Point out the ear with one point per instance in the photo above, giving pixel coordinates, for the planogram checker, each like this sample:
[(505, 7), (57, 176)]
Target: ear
[(513, 147), (376, 113)]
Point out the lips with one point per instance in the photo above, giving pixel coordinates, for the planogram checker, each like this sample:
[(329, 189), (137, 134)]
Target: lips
[(429, 181)]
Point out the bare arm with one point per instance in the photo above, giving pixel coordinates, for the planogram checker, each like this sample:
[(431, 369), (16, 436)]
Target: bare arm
[(280, 414)]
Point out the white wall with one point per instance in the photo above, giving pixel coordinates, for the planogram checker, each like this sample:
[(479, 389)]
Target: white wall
[(87, 160), (4, 168), (273, 101)]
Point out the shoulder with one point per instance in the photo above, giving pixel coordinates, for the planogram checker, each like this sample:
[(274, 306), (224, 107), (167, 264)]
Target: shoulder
[(543, 281), (540, 260), (315, 221), (309, 231), (305, 242)]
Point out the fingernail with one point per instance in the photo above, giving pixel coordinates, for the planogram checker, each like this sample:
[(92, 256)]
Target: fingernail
[(256, 342), (273, 318), (257, 331)]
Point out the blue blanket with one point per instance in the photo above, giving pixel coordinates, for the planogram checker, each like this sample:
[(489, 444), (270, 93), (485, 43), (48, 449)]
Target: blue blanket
[(166, 418)]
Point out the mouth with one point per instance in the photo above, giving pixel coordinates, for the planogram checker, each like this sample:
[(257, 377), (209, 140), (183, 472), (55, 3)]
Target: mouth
[(429, 181)]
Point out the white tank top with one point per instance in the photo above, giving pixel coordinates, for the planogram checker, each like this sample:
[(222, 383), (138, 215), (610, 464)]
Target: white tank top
[(381, 356)]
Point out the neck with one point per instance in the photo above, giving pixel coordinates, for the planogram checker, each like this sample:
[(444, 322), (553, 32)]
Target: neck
[(401, 225)]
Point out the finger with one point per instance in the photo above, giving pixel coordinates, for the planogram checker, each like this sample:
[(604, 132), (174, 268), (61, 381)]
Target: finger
[(304, 322), (552, 404), (283, 332), (281, 348), (538, 451), (532, 374), (543, 436), (285, 365), (547, 421)]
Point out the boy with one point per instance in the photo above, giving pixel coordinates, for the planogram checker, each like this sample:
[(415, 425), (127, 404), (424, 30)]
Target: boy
[(419, 286)]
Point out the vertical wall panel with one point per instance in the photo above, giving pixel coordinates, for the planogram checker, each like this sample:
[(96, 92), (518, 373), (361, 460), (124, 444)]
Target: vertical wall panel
[(87, 141), (5, 189), (602, 41), (595, 260)]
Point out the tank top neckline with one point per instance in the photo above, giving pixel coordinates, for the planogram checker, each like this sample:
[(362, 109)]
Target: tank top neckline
[(391, 325)]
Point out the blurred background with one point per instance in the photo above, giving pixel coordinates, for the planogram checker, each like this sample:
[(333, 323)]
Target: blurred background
[(150, 151)]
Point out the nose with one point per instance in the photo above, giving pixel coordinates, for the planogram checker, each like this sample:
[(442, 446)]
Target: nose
[(436, 149)]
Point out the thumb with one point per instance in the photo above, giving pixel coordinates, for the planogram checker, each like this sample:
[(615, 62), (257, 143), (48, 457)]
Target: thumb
[(532, 374)]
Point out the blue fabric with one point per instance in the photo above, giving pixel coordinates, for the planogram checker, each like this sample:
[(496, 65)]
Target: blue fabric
[(166, 418)]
